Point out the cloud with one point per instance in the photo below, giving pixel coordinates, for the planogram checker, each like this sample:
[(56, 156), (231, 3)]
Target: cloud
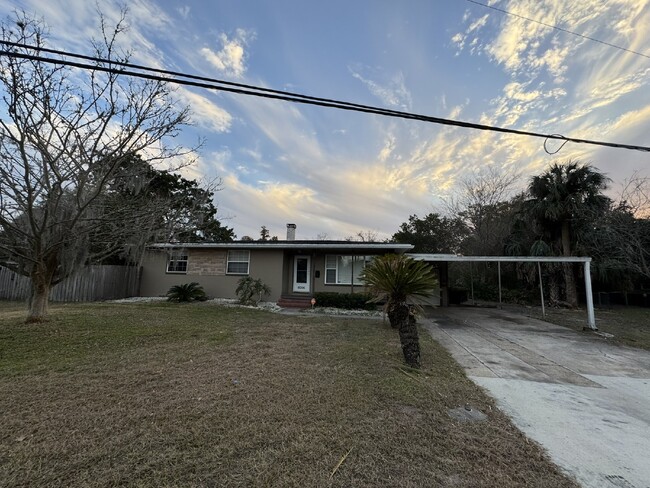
[(470, 34), (286, 128), (205, 112), (391, 90), (613, 88), (231, 58), (525, 47), (184, 11), (389, 146), (73, 32)]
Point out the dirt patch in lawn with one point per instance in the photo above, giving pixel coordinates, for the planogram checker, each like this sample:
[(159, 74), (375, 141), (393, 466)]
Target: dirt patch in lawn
[(202, 395)]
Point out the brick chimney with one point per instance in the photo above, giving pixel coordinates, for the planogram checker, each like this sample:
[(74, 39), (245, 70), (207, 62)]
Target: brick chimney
[(291, 232)]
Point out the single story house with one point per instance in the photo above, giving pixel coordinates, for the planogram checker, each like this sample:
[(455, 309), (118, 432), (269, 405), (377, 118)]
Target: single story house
[(293, 269)]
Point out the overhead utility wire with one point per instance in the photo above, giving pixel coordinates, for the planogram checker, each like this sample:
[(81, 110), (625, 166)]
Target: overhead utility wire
[(184, 75), (250, 90), (507, 12)]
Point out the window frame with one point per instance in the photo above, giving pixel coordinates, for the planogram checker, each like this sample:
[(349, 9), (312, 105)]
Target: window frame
[(354, 281), (229, 260), (175, 256)]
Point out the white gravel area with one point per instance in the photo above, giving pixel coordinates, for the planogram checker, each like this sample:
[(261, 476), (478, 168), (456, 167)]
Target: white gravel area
[(138, 299), (342, 311), (231, 302), (268, 306)]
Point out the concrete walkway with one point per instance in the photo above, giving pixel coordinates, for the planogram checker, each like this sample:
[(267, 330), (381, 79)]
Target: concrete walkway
[(585, 400)]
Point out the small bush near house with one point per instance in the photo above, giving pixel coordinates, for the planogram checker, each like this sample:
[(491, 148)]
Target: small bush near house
[(349, 301), (250, 291), (187, 292)]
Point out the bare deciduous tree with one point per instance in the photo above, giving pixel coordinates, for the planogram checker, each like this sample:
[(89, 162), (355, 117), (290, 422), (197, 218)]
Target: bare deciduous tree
[(483, 202), (623, 238), (63, 135), (364, 236), (635, 195)]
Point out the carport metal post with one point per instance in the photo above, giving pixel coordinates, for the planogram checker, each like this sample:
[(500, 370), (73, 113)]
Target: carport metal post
[(541, 287), (471, 282), (499, 268), (591, 319)]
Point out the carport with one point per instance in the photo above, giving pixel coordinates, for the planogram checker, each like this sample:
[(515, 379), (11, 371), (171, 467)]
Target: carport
[(586, 261)]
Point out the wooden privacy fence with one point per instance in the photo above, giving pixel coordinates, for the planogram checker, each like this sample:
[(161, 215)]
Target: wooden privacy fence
[(90, 284)]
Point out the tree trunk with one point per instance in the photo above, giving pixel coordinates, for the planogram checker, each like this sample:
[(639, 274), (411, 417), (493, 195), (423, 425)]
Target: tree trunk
[(38, 302), (400, 316), (40, 298), (569, 274)]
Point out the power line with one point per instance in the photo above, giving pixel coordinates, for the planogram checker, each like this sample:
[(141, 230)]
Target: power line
[(181, 74), (107, 66), (558, 28)]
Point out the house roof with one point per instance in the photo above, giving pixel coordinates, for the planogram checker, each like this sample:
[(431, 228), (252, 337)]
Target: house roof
[(297, 245)]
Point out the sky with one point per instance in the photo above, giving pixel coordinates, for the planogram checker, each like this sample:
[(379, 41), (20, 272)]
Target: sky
[(335, 173)]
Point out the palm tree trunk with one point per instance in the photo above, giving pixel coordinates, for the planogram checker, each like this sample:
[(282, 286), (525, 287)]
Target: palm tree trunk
[(569, 276), (400, 316)]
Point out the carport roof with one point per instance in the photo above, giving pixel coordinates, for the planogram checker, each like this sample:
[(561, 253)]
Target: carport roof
[(503, 259)]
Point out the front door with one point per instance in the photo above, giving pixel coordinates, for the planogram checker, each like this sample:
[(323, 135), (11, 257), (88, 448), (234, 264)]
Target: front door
[(301, 274)]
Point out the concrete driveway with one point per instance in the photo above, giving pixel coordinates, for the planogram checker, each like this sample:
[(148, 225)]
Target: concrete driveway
[(585, 400)]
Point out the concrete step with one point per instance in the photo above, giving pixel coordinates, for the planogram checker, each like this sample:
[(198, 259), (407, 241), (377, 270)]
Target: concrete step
[(295, 302)]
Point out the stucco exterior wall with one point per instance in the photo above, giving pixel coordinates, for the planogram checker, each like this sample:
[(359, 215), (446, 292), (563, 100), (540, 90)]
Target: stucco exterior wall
[(208, 268)]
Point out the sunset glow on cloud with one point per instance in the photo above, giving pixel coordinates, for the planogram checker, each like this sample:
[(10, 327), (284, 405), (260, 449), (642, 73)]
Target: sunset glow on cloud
[(337, 172)]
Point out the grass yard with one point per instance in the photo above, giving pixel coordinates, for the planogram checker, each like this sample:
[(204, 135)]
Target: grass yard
[(158, 394), (630, 326)]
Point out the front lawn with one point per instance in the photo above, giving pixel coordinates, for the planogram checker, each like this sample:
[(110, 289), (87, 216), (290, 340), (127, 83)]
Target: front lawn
[(201, 395)]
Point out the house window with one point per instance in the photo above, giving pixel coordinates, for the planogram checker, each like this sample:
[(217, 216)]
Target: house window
[(177, 261), (238, 262), (339, 269)]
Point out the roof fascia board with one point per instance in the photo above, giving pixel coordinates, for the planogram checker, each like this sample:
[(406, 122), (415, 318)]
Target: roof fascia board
[(503, 259), (253, 245)]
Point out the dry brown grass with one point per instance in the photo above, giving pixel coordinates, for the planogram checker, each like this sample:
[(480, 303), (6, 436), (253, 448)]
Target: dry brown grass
[(199, 395)]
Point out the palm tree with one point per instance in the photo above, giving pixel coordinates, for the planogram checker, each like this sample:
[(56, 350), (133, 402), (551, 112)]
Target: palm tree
[(397, 279), (187, 292), (560, 198)]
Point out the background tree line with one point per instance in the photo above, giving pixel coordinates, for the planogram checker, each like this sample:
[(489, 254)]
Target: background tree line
[(562, 212)]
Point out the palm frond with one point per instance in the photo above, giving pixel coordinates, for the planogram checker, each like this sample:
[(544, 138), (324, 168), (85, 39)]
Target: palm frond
[(396, 278), (186, 292)]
